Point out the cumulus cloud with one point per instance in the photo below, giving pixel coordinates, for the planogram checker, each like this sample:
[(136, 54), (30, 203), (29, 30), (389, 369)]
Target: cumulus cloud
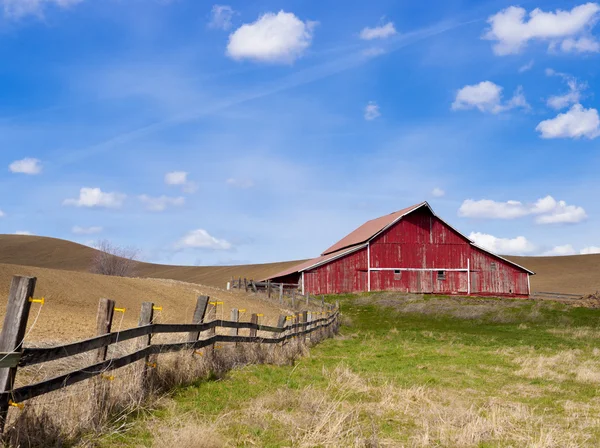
[(577, 122), (565, 249), (509, 246), (2, 215), (274, 38), (221, 16), (511, 29), (590, 250), (240, 183), (581, 45), (372, 111), (16, 9), (201, 239), (181, 178), (378, 32), (95, 197), (547, 210), (23, 232), (78, 230), (160, 203), (26, 166), (437, 192), (487, 97)]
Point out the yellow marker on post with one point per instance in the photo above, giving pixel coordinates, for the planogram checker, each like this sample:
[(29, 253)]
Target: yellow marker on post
[(108, 377), (151, 364), (198, 352), (120, 310), (216, 303), (157, 308), (16, 405), (40, 300)]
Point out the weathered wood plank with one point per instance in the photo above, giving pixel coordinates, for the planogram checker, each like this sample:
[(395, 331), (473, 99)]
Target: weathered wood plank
[(13, 333)]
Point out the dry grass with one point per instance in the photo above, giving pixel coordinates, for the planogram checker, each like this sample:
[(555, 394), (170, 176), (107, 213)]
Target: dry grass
[(572, 365), (103, 405)]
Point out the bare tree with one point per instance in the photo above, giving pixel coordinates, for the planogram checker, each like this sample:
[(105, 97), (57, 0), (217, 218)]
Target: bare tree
[(114, 260)]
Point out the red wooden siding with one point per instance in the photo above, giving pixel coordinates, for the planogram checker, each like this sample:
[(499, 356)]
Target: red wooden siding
[(346, 274), (418, 246)]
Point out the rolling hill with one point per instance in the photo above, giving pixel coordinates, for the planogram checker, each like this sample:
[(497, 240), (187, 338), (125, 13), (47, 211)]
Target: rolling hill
[(578, 274)]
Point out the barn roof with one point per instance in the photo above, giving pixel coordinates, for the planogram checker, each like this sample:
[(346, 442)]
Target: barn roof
[(371, 228), (360, 237)]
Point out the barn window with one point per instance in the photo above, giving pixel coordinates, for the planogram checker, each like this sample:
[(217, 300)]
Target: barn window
[(493, 266), (397, 274), (441, 275)]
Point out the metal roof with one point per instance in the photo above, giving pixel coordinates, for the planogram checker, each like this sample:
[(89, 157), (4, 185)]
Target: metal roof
[(371, 228)]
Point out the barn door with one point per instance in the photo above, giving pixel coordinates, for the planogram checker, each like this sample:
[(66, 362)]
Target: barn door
[(475, 282), (426, 282)]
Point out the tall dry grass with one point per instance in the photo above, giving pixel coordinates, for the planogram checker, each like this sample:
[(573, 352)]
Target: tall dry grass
[(78, 414)]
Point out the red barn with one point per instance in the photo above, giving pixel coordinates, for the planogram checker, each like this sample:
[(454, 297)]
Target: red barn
[(411, 250)]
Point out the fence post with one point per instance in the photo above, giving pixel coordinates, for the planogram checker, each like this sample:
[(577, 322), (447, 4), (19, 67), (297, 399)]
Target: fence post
[(13, 332), (281, 293), (304, 320), (104, 318), (211, 314), (281, 324), (198, 317), (240, 283), (307, 297), (245, 284), (293, 298), (253, 286), (322, 301), (269, 289), (253, 320), (146, 318), (235, 317)]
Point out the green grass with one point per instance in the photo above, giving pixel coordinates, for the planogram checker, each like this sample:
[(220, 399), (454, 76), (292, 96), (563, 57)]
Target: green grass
[(410, 371)]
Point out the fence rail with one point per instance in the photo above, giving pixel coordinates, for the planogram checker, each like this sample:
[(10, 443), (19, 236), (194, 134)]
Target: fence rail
[(286, 293), (14, 356)]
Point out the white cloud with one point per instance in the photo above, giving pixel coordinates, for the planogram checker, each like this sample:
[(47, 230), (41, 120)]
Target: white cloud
[(160, 203), (577, 122), (16, 9), (240, 183), (372, 111), (509, 246), (590, 250), (378, 32), (181, 178), (201, 239), (573, 96), (487, 97), (551, 211), (565, 249), (547, 210), (526, 67), (26, 166), (274, 38), (23, 232), (438, 192), (94, 197), (512, 30), (2, 214), (221, 16), (581, 45), (78, 230)]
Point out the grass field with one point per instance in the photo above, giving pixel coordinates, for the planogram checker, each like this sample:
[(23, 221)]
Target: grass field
[(406, 371)]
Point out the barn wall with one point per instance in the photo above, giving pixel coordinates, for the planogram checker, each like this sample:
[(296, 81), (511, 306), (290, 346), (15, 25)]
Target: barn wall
[(346, 274), (422, 241)]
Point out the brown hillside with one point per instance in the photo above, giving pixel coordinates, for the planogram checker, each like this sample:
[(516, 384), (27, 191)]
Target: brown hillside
[(55, 253), (72, 300), (578, 274)]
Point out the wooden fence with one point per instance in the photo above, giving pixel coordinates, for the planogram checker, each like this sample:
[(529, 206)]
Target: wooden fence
[(287, 294), (13, 355)]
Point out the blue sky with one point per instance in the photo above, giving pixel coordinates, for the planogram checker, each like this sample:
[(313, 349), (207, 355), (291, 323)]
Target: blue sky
[(261, 131)]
